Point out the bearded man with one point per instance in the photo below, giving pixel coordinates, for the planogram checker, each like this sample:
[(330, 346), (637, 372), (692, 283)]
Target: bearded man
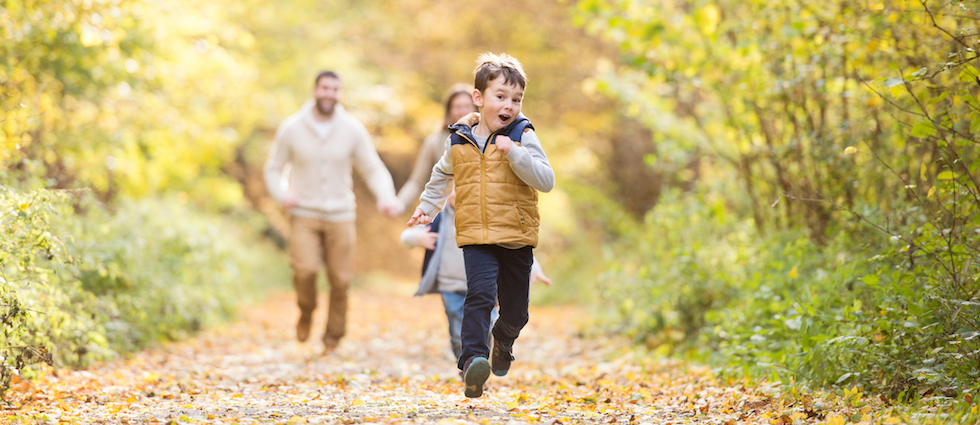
[(321, 144)]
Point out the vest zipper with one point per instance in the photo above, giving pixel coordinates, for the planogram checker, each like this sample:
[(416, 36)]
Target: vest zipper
[(483, 184)]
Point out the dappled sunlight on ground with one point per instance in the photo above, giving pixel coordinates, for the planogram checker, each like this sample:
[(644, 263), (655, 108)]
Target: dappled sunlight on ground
[(394, 367)]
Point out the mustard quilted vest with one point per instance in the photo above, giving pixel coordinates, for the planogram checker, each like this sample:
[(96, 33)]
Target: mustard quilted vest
[(493, 205)]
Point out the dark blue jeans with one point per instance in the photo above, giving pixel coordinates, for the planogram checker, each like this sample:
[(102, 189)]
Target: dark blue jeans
[(453, 302), (494, 274)]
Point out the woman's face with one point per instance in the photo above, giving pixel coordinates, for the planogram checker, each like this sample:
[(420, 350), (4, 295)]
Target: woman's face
[(461, 105)]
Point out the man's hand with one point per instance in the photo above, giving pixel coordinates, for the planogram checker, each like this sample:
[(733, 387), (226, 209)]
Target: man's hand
[(427, 239), (391, 208), (419, 218), (540, 276), (290, 201), (504, 144)]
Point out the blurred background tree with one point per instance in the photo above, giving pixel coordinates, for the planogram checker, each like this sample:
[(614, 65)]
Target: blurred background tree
[(773, 186)]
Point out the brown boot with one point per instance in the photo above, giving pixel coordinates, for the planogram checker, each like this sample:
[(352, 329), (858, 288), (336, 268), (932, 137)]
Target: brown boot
[(303, 326), (329, 344)]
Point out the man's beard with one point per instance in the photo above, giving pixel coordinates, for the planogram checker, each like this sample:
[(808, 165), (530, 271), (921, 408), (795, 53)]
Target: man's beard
[(326, 110)]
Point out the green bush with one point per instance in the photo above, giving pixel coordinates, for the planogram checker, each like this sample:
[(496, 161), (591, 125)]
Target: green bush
[(86, 284), (694, 279)]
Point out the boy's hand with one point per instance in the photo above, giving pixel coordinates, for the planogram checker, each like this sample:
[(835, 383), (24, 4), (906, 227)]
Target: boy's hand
[(540, 276), (504, 144), (427, 239), (419, 218)]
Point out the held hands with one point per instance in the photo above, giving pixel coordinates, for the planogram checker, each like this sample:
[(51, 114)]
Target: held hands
[(419, 218), (504, 144), (427, 239), (290, 201), (391, 208)]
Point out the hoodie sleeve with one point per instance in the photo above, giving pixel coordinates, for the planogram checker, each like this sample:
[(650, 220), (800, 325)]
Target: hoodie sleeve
[(410, 235), (531, 164), (440, 184)]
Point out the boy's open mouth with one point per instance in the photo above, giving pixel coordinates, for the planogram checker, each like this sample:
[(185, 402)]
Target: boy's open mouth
[(504, 118)]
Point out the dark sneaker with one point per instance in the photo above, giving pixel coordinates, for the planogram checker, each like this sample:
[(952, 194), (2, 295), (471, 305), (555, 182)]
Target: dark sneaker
[(501, 354), (475, 374)]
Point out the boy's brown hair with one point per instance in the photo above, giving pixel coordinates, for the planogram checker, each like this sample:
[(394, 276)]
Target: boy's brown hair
[(489, 66)]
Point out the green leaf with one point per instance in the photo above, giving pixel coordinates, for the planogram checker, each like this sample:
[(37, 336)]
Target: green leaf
[(922, 71), (974, 121), (946, 175), (924, 129), (969, 74), (939, 98), (871, 279), (893, 82)]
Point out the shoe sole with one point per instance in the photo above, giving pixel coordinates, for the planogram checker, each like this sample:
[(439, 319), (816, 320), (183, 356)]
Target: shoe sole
[(476, 376)]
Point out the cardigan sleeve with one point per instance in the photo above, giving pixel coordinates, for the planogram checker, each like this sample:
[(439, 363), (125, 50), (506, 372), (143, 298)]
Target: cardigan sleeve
[(274, 165)]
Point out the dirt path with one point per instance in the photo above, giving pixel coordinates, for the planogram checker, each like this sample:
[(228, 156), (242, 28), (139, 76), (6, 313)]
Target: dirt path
[(394, 367)]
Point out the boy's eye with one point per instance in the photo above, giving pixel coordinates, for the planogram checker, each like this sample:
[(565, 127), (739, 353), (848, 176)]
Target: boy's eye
[(499, 97)]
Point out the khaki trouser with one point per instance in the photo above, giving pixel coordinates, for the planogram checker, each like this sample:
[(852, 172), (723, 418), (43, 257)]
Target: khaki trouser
[(313, 242)]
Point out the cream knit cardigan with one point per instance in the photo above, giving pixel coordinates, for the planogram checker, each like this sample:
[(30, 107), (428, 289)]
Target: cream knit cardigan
[(318, 169)]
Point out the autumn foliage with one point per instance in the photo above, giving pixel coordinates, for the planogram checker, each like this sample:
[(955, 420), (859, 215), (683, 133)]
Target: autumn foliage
[(781, 189)]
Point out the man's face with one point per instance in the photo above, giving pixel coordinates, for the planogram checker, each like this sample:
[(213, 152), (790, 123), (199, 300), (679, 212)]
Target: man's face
[(326, 93), (500, 103)]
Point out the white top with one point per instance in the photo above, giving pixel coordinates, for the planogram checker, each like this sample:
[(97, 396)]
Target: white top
[(322, 128)]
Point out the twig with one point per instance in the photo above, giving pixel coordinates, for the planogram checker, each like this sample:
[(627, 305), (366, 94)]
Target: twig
[(933, 18)]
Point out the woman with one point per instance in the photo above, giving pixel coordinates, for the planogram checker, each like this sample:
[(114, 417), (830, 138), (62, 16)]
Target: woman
[(458, 104)]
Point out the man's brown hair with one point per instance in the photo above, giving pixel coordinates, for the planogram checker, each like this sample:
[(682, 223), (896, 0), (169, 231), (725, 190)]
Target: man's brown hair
[(489, 66)]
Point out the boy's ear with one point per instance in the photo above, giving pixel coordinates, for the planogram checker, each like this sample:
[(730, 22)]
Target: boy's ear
[(477, 98)]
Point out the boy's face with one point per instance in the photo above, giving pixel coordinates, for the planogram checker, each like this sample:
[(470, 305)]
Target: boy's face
[(499, 104)]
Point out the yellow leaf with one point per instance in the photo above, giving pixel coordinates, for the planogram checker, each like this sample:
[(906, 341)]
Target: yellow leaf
[(932, 192), (296, 420), (513, 405), (357, 402), (792, 273), (897, 91), (709, 18), (23, 206), (850, 150)]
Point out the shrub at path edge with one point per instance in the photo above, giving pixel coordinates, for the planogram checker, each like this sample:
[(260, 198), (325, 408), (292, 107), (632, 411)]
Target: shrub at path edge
[(83, 287)]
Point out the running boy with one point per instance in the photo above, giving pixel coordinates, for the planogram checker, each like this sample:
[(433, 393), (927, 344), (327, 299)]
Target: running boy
[(443, 271), (498, 168)]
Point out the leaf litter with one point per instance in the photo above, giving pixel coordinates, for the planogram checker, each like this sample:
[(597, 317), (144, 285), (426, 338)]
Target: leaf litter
[(395, 366)]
